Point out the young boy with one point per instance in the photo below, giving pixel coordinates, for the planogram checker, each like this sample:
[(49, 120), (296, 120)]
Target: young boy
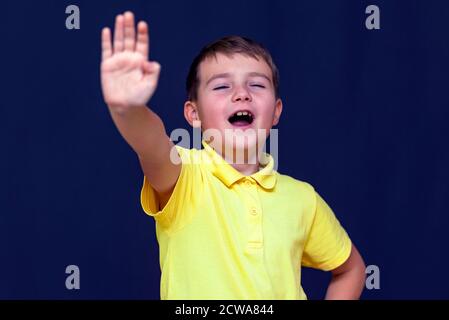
[(226, 229)]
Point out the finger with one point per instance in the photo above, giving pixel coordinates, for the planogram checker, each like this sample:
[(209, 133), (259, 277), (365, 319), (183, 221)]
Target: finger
[(130, 32), (152, 67), (106, 45), (143, 41), (118, 34)]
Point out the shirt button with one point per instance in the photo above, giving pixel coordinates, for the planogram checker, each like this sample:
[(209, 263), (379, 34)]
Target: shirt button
[(248, 182), (253, 211)]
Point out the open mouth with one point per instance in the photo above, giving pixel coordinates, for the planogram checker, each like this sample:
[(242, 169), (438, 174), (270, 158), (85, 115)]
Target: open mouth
[(241, 118)]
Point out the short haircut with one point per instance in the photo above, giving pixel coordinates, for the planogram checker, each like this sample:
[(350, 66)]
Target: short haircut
[(229, 46)]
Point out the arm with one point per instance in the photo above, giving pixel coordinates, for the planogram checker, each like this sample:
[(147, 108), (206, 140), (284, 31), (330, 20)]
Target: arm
[(129, 80), (348, 280)]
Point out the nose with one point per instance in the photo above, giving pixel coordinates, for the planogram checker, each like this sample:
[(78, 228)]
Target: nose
[(241, 94)]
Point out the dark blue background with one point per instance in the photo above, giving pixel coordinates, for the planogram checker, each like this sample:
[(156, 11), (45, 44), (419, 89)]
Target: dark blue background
[(365, 121)]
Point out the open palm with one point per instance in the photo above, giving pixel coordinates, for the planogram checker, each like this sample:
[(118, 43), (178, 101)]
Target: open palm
[(128, 78)]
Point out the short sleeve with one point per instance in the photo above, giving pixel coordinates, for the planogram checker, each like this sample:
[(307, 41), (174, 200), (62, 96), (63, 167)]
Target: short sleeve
[(328, 245), (171, 213)]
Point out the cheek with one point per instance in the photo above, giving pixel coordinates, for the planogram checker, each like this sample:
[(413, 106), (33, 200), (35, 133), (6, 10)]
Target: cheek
[(267, 115), (213, 102), (210, 112), (264, 99)]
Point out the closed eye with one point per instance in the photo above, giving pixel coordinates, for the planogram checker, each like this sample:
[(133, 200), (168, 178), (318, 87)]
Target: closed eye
[(221, 87), (258, 85)]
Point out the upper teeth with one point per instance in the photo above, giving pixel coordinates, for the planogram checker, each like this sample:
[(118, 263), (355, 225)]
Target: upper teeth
[(243, 113)]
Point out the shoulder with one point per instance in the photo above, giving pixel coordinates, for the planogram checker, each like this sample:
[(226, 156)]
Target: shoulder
[(188, 155), (289, 183), (296, 190), (299, 195)]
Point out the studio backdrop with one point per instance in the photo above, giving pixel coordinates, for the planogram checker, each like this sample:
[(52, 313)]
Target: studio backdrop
[(365, 88)]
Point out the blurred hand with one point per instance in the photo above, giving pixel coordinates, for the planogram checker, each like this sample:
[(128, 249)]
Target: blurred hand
[(128, 78)]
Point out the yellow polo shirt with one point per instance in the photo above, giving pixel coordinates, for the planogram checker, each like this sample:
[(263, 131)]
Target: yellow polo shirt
[(223, 235)]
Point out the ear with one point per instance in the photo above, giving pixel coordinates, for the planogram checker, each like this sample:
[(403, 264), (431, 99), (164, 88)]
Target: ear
[(191, 114), (277, 111)]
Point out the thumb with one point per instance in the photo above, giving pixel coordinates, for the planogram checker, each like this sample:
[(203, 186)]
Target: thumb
[(151, 67)]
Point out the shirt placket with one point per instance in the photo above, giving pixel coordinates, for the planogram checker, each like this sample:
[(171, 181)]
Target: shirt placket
[(253, 215), (254, 247)]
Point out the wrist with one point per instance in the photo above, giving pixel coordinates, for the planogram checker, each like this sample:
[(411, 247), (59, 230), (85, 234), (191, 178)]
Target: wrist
[(122, 110)]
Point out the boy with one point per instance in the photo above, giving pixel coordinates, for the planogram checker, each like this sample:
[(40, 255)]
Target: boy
[(226, 229)]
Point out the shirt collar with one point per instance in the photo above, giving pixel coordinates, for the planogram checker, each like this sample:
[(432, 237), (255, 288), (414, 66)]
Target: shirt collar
[(265, 177)]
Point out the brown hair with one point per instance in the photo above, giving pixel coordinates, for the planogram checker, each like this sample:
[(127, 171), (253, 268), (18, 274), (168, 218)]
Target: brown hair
[(229, 46)]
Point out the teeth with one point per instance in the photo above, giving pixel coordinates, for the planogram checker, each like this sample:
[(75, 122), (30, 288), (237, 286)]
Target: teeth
[(244, 113)]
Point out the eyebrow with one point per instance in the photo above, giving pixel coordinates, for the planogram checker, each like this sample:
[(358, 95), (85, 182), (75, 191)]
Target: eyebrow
[(227, 75)]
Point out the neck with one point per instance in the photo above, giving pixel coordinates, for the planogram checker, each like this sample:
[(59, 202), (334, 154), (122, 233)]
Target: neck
[(245, 161), (246, 169)]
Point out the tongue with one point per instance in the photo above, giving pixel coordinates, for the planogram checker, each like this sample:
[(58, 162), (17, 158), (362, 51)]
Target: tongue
[(240, 123)]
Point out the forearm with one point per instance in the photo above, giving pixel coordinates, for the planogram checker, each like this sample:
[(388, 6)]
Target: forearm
[(142, 129), (346, 286)]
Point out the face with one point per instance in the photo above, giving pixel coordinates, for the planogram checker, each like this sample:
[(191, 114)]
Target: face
[(236, 99)]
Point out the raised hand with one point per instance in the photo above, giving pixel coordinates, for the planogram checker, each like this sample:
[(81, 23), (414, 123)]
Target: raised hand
[(128, 78)]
